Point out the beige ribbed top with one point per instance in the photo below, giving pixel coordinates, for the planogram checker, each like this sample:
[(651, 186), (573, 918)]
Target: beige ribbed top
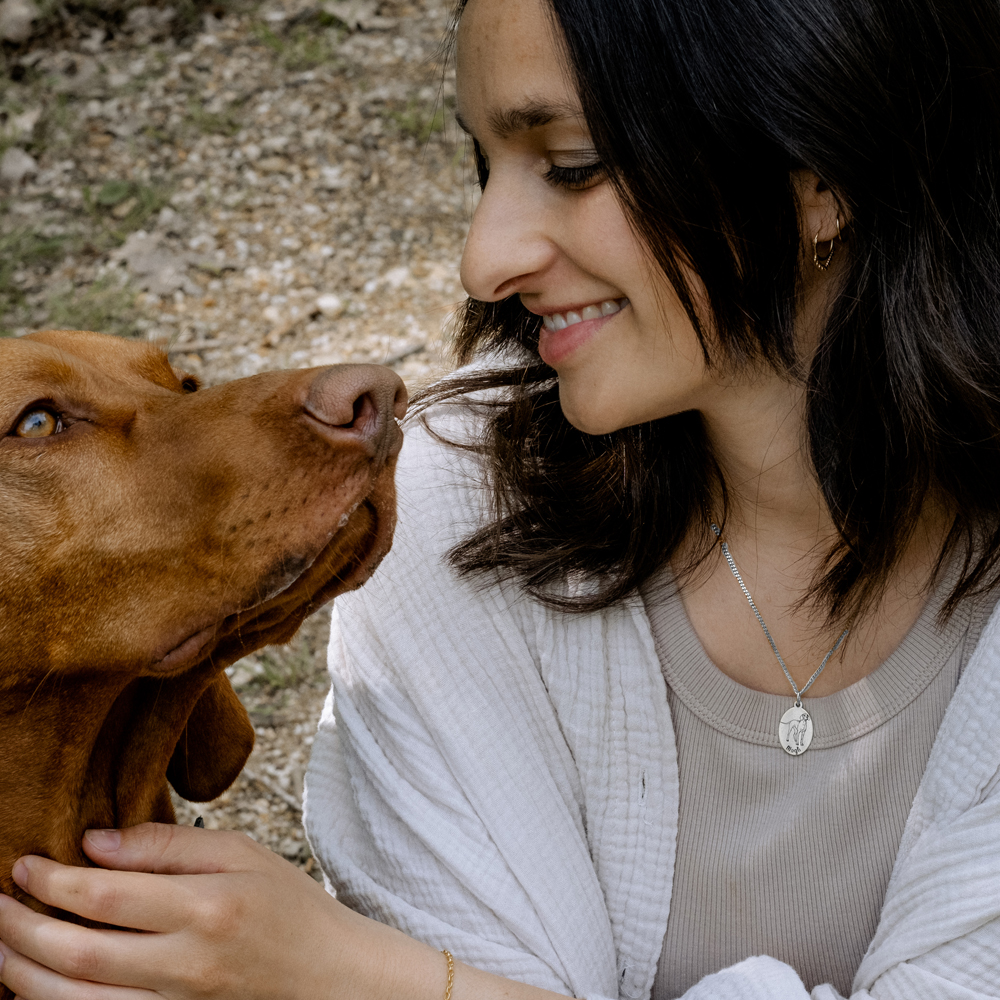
[(790, 856)]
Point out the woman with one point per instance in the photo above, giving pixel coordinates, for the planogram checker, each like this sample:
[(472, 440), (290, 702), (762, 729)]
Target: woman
[(659, 704)]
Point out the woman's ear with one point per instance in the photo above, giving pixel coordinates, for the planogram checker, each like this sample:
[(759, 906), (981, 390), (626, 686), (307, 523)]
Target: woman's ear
[(821, 213), (214, 746)]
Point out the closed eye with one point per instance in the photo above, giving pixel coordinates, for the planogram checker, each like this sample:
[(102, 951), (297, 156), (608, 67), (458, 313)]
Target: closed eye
[(576, 178)]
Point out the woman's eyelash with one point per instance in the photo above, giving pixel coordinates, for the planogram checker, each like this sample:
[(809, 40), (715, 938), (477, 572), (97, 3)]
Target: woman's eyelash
[(575, 178)]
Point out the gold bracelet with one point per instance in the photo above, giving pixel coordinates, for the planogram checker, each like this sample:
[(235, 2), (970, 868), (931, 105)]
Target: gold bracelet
[(451, 973)]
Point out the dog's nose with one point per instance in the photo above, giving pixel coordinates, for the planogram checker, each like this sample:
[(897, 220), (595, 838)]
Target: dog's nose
[(358, 401)]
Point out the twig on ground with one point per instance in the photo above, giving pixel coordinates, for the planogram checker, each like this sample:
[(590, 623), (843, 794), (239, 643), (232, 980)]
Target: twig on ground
[(270, 786)]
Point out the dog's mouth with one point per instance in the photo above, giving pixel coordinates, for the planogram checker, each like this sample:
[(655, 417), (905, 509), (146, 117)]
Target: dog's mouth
[(345, 562), (188, 652)]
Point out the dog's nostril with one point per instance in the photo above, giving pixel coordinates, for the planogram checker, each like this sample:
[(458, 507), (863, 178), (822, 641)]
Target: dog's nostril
[(365, 415), (358, 398), (366, 419)]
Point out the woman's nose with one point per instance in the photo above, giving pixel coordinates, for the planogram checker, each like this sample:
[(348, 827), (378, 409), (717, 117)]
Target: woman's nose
[(507, 246)]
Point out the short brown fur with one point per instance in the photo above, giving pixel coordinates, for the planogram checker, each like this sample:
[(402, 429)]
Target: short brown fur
[(155, 515)]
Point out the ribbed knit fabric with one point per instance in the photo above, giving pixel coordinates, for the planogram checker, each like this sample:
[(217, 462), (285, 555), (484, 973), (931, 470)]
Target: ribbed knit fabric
[(790, 856)]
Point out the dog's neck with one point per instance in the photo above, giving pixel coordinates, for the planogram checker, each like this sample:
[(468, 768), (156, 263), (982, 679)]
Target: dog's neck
[(86, 751)]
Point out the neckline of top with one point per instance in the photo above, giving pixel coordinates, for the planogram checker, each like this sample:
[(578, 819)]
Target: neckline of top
[(846, 715)]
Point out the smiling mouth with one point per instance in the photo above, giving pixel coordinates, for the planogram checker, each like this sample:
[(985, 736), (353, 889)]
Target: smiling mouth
[(560, 321)]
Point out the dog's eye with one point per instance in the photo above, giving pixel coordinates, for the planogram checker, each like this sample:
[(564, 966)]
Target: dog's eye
[(190, 384), (38, 424)]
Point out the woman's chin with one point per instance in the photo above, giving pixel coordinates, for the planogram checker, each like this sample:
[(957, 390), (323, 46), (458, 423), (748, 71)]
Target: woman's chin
[(586, 415), (595, 409)]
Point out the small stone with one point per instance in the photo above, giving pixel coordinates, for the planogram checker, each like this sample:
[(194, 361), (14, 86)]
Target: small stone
[(72, 72), (150, 21), (361, 14), (167, 217), (93, 42), (16, 17), (23, 125), (16, 165), (244, 671), (395, 278), (154, 267), (330, 305), (123, 208), (333, 179)]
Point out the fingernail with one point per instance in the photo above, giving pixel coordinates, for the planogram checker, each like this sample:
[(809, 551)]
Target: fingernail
[(19, 873), (104, 840)]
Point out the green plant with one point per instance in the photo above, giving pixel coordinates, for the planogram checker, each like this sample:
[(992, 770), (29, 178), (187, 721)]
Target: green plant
[(286, 666), (210, 122), (22, 248), (418, 120), (58, 128), (310, 48), (327, 20), (303, 46), (269, 38), (124, 206), (113, 193), (107, 306)]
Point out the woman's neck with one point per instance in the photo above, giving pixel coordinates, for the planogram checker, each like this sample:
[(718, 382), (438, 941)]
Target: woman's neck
[(757, 434), (780, 533)]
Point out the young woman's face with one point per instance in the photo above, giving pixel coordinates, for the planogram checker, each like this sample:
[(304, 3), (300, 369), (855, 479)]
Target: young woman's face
[(550, 229)]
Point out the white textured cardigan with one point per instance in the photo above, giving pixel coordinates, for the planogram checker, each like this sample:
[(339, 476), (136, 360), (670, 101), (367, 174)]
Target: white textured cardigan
[(500, 780)]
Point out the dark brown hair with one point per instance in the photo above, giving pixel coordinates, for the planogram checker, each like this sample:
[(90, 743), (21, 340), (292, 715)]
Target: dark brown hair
[(699, 112)]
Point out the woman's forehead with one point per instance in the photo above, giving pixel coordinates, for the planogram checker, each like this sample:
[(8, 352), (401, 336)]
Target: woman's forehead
[(512, 70)]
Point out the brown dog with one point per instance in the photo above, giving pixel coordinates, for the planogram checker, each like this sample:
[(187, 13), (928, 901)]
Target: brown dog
[(150, 535)]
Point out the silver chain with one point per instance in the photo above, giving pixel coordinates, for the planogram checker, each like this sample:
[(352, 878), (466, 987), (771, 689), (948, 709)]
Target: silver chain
[(746, 593)]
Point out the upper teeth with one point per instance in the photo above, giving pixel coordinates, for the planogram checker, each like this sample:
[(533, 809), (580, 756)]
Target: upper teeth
[(559, 321)]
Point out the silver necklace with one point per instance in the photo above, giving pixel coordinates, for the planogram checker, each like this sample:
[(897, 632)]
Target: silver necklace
[(795, 731)]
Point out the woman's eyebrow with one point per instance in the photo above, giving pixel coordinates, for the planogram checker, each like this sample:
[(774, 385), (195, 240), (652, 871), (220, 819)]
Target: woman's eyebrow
[(508, 122)]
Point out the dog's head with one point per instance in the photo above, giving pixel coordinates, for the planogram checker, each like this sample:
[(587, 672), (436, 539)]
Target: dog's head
[(152, 532)]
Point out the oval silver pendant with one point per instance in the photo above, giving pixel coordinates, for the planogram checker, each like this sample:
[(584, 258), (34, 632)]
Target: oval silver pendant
[(795, 731)]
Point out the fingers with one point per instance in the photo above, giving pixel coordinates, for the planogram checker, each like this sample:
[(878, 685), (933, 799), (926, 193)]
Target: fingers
[(31, 981), (131, 897), (122, 899), (265, 932), (172, 850)]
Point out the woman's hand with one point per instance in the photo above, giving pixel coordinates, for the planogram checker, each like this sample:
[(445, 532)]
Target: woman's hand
[(224, 917)]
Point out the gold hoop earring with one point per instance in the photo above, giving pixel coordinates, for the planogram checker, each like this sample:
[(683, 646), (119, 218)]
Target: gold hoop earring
[(823, 263)]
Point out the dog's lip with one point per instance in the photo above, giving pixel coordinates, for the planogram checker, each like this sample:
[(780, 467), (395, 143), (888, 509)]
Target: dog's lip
[(188, 651), (192, 649)]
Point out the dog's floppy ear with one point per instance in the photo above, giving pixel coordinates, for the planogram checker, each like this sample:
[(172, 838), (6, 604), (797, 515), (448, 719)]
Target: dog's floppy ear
[(214, 746)]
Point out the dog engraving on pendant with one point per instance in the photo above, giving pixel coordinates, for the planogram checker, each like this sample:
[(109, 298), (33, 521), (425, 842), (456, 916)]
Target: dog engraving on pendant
[(795, 731)]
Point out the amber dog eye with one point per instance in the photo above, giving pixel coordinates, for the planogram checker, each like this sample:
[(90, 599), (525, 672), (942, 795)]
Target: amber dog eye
[(38, 424)]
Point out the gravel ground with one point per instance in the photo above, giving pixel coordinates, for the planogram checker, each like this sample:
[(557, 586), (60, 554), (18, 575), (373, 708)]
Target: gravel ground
[(253, 187)]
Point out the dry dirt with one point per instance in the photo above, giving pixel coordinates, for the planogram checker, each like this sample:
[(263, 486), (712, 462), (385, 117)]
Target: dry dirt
[(253, 187)]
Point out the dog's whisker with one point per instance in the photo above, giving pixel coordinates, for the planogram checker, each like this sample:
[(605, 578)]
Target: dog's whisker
[(49, 673)]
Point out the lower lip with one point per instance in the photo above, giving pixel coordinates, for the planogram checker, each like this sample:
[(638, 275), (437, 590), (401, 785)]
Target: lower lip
[(555, 346), (188, 652)]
